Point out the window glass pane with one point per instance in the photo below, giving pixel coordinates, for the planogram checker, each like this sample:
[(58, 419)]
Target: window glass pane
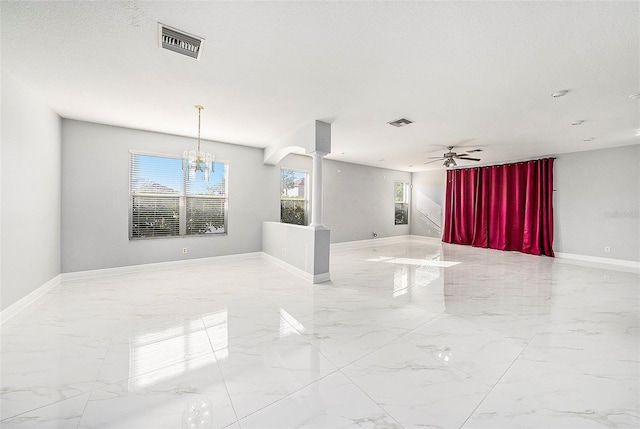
[(217, 184), (155, 216), (293, 184), (205, 215), (402, 213), (399, 192), (293, 211), (156, 175)]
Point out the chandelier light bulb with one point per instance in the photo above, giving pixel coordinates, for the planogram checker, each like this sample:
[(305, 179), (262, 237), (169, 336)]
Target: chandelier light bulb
[(197, 160)]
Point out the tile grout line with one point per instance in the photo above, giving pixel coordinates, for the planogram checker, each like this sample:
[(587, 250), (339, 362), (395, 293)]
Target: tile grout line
[(235, 413), (365, 393), (497, 382), (95, 383), (337, 370)]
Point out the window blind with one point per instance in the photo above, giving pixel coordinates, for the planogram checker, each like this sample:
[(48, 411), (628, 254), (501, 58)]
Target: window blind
[(164, 204)]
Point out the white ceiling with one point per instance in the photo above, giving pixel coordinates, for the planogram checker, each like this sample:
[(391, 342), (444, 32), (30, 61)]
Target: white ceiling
[(470, 74)]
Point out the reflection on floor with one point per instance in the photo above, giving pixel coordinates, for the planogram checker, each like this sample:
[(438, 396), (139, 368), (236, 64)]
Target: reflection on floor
[(410, 332)]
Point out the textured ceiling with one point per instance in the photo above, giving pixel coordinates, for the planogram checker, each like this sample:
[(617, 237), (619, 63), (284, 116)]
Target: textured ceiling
[(470, 74)]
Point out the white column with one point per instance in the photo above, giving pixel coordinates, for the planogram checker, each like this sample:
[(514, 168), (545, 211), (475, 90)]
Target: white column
[(316, 191)]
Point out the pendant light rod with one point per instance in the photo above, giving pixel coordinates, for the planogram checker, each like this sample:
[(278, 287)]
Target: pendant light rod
[(199, 107)]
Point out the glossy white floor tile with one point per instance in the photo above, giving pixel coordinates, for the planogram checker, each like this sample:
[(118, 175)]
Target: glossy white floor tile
[(409, 333)]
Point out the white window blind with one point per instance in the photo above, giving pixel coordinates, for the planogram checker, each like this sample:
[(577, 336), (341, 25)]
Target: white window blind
[(164, 204)]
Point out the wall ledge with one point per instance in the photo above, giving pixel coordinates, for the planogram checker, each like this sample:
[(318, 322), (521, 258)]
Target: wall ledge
[(26, 301), (305, 248)]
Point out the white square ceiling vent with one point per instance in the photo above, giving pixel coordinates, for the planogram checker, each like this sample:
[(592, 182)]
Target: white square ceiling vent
[(400, 122), (180, 42)]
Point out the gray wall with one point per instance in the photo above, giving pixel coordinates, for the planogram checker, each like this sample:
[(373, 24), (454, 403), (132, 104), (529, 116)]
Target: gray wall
[(428, 192), (359, 200), (30, 219), (597, 203), (95, 198)]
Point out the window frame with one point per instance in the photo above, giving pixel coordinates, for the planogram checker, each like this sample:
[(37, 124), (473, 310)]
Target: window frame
[(183, 196), (401, 204), (305, 199)]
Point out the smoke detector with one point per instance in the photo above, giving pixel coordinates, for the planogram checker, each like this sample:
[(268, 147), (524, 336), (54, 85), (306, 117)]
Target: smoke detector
[(179, 41)]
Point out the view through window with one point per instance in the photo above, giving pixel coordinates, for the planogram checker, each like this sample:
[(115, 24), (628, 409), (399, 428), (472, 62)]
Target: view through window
[(294, 201), (163, 203), (401, 200)]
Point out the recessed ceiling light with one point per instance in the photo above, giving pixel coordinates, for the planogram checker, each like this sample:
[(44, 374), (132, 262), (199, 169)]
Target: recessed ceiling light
[(578, 122), (561, 93), (588, 139), (635, 96)]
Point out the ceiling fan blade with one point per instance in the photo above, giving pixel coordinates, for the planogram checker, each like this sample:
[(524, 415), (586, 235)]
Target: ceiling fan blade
[(435, 157), (474, 150), (458, 155), (469, 159), (435, 160)]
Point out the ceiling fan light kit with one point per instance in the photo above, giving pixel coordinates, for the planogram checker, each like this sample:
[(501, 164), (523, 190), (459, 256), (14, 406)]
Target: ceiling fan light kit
[(450, 157)]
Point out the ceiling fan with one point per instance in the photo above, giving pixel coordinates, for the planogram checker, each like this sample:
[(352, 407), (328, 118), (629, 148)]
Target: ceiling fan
[(450, 157)]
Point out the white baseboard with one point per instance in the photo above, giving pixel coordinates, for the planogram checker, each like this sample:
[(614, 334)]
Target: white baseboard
[(311, 278), (382, 240), (436, 240), (320, 278), (599, 260), (79, 275), (23, 303), (371, 241)]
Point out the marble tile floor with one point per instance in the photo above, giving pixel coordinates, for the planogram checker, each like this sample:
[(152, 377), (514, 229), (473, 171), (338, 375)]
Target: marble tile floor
[(409, 333)]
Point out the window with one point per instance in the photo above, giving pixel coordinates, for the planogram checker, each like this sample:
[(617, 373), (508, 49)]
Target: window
[(164, 204), (401, 203), (294, 203)]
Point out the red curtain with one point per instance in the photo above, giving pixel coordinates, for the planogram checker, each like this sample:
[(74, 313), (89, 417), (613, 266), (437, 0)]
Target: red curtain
[(504, 207)]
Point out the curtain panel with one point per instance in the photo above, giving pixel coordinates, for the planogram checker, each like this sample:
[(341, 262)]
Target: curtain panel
[(504, 207)]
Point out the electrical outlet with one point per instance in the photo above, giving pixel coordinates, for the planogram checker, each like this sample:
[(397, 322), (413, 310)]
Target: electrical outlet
[(184, 250), (607, 249)]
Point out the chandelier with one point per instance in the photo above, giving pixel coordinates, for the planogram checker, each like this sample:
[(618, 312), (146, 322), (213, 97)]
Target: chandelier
[(193, 161)]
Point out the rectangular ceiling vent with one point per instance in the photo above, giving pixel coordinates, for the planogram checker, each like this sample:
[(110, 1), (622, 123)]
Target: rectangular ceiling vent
[(400, 122), (180, 42)]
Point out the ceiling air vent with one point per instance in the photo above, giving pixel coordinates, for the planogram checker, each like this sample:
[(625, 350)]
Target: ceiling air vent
[(400, 122), (180, 42)]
